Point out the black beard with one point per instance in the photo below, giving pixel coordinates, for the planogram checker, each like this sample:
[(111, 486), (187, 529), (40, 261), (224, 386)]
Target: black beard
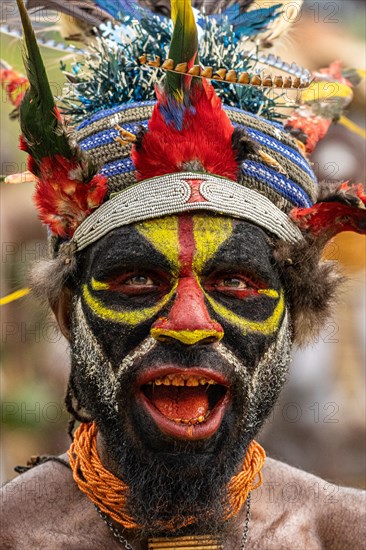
[(171, 481), (167, 490)]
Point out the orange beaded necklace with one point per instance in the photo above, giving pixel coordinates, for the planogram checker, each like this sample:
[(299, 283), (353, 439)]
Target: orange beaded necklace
[(110, 494)]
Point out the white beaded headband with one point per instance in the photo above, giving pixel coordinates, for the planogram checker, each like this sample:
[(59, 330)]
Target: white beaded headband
[(184, 192)]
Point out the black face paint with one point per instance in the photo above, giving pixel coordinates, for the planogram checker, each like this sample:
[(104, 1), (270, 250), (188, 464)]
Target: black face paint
[(172, 478)]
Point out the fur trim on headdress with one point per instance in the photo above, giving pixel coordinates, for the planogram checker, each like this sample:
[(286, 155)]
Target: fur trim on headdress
[(311, 287), (243, 145), (49, 277), (311, 284)]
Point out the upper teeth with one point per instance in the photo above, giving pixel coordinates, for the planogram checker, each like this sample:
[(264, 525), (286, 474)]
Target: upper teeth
[(182, 380)]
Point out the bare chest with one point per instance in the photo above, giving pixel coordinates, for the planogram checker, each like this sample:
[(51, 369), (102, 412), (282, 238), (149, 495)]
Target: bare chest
[(78, 533), (288, 530)]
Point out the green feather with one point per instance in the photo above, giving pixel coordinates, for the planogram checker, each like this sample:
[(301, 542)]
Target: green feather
[(184, 44), (44, 133)]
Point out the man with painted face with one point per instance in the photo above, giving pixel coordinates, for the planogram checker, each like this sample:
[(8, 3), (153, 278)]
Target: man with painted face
[(181, 296)]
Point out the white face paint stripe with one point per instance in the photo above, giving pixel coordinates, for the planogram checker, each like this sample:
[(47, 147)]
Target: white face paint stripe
[(109, 383), (86, 336), (240, 367), (276, 347), (230, 358), (146, 345)]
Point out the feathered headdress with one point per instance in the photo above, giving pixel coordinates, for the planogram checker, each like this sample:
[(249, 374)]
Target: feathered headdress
[(68, 187), (188, 124), (188, 128)]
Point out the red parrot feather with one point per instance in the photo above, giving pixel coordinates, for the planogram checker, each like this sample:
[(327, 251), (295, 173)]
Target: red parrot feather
[(197, 130), (68, 184), (62, 198), (343, 210)]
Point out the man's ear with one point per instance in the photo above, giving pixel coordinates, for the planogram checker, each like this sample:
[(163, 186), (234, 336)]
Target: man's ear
[(62, 308)]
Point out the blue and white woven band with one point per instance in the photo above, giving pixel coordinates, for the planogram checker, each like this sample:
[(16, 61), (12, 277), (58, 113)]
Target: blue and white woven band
[(184, 192)]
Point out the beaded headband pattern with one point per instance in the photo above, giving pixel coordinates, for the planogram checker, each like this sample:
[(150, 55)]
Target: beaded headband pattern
[(184, 192)]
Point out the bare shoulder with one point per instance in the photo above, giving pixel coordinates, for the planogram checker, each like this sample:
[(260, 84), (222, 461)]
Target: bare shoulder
[(38, 508), (320, 512)]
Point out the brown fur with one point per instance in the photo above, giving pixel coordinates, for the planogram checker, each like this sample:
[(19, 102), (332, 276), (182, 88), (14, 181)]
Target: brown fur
[(193, 166), (312, 284), (332, 192), (311, 287), (243, 145), (48, 278), (140, 137)]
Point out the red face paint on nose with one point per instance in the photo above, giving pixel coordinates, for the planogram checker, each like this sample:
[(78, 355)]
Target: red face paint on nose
[(189, 320)]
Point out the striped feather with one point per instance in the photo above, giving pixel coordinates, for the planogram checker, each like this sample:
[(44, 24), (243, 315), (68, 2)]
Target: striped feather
[(184, 44), (40, 123), (68, 187)]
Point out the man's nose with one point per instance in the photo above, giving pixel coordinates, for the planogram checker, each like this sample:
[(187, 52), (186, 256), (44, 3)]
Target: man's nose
[(188, 321)]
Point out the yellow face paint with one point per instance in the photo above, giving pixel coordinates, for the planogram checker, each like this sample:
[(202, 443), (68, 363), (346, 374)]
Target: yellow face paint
[(162, 233), (126, 317), (266, 327), (270, 292), (188, 337), (209, 234), (98, 285)]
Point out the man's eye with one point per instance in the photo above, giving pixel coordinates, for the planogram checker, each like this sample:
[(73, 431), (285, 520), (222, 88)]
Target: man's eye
[(139, 280), (238, 286), (232, 282)]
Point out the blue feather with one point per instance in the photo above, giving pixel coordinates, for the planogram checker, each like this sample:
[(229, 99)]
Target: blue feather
[(252, 22), (122, 8), (174, 110)]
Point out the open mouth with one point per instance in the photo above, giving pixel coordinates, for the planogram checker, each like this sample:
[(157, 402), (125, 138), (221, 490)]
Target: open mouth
[(185, 403)]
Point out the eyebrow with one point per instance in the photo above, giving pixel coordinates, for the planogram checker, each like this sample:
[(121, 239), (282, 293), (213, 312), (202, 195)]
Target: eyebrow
[(118, 254), (233, 256), (242, 265)]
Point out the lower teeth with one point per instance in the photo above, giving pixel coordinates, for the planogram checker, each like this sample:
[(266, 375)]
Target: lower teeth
[(193, 421)]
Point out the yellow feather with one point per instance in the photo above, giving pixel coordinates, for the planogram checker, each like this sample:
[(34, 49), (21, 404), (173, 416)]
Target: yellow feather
[(326, 91), (14, 296), (174, 10), (184, 41)]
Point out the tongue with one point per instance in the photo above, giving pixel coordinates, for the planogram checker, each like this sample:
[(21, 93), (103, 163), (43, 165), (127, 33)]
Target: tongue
[(184, 403)]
